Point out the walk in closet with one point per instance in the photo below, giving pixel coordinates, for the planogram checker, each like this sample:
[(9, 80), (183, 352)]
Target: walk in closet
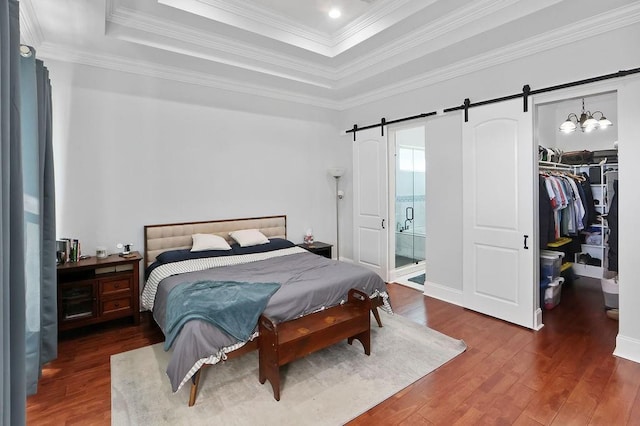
[(578, 176)]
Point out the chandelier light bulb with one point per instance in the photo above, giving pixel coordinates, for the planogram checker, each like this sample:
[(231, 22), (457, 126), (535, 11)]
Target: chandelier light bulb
[(568, 126), (590, 122)]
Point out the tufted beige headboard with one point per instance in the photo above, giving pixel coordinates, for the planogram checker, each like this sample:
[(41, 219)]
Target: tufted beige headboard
[(174, 236)]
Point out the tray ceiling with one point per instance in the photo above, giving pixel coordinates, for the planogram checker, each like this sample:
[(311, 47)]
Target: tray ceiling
[(292, 50)]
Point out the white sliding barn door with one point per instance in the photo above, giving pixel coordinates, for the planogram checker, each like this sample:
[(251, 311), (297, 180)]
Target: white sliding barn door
[(498, 185), (370, 223)]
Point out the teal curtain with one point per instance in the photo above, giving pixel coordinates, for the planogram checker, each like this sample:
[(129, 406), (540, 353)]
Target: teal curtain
[(48, 272), (12, 265), (28, 317), (39, 217)]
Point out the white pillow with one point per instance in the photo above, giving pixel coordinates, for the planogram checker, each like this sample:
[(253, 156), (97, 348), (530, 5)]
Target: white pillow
[(209, 242), (249, 237)]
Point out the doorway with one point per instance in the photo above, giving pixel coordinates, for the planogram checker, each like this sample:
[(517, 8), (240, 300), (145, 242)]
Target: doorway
[(587, 248), (407, 187)]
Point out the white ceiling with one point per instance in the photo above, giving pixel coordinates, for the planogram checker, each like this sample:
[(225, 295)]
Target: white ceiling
[(291, 49)]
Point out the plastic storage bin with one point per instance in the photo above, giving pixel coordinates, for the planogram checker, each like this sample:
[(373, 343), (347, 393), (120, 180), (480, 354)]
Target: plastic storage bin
[(610, 289), (549, 266), (550, 293)]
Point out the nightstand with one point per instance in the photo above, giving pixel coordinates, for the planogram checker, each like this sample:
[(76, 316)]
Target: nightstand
[(95, 290), (319, 248)]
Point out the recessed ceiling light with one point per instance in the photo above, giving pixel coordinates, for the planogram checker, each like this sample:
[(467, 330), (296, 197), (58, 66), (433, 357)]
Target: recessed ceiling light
[(335, 13)]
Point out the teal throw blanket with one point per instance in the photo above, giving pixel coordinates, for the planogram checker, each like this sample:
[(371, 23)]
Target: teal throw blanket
[(232, 306)]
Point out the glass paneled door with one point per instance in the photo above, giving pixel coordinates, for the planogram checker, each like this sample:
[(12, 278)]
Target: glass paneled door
[(410, 203)]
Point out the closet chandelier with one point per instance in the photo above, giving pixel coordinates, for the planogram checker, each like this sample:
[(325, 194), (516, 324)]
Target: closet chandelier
[(587, 121)]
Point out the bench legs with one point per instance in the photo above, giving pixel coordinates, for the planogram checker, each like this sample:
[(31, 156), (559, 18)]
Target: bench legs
[(274, 378), (364, 338), (376, 315), (281, 343), (268, 366), (375, 303)]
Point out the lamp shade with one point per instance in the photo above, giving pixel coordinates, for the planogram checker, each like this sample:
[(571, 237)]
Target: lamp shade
[(336, 172), (604, 122), (568, 126), (590, 122)]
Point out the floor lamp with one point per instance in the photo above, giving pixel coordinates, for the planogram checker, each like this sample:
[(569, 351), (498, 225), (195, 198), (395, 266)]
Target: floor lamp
[(337, 172)]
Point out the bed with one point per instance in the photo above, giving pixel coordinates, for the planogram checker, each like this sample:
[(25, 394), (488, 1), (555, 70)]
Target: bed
[(298, 283)]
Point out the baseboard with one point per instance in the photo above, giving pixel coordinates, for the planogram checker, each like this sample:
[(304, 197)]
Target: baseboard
[(396, 274), (444, 293), (627, 348), (537, 320)]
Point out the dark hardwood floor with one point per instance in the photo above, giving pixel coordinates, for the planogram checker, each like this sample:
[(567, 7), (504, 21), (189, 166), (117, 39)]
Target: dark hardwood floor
[(563, 375)]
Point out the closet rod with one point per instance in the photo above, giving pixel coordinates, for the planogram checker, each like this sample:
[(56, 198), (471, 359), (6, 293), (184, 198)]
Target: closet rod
[(526, 91)]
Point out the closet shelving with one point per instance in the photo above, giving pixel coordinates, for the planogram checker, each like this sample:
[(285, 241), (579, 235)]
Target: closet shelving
[(595, 246), (590, 259)]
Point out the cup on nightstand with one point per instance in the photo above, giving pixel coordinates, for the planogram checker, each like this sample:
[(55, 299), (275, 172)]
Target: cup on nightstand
[(101, 252)]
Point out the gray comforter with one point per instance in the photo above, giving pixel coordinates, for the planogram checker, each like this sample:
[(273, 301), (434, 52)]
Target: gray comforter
[(309, 283)]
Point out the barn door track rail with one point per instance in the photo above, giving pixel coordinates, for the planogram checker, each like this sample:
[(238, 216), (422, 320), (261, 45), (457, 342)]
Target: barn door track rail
[(467, 104)]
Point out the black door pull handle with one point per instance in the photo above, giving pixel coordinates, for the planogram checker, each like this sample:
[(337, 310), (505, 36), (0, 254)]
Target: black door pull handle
[(525, 242)]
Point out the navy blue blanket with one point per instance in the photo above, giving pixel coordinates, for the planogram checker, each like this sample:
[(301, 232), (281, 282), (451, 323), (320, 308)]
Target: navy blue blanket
[(232, 306)]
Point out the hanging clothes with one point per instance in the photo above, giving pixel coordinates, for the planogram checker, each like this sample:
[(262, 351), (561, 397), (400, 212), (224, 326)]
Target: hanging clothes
[(590, 206), (559, 192), (612, 218), (547, 222)]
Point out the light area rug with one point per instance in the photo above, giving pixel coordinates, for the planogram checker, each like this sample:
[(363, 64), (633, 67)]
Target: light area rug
[(329, 387)]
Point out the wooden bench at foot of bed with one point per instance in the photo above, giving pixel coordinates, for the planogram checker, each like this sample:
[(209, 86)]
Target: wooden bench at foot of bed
[(252, 345), (282, 343)]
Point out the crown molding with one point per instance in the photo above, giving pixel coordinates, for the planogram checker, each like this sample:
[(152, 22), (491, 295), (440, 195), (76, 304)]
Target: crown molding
[(266, 16), (372, 63), (30, 29), (154, 70), (351, 33), (458, 23), (245, 14), (251, 17), (609, 21), (216, 49), (591, 27), (244, 55)]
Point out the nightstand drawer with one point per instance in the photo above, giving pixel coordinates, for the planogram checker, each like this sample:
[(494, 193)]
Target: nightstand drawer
[(116, 305), (116, 286)]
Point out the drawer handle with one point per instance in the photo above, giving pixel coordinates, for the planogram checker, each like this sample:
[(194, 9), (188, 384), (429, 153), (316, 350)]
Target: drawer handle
[(117, 305), (116, 285)]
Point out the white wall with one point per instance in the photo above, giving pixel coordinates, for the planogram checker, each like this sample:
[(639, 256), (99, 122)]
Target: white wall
[(131, 151), (628, 341), (444, 208)]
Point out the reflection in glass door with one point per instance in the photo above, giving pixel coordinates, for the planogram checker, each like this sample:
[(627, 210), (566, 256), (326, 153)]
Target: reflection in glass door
[(410, 196)]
